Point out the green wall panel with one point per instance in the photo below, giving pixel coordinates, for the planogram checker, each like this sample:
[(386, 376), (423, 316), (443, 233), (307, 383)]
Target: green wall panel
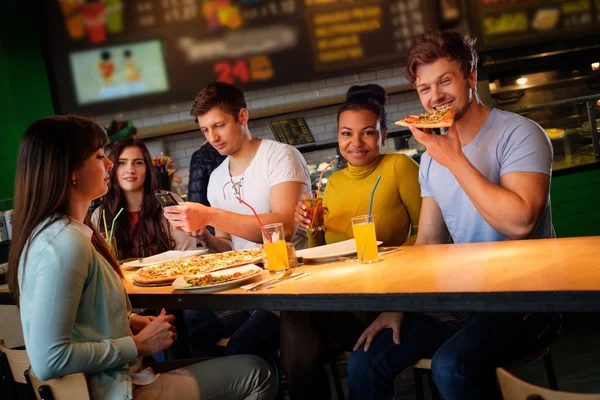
[(575, 199), (24, 91)]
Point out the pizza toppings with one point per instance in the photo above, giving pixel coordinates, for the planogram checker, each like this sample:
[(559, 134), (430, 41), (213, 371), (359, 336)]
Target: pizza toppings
[(442, 118), (208, 279)]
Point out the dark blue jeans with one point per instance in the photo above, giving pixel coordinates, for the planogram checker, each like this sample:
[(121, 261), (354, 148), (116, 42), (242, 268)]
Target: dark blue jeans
[(465, 352), (207, 327)]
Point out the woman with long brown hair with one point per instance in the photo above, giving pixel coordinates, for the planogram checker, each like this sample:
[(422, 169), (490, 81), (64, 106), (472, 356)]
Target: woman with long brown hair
[(74, 308), (142, 230)]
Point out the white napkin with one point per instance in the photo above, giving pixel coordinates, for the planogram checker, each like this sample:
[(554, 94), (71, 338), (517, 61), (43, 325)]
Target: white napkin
[(144, 377)]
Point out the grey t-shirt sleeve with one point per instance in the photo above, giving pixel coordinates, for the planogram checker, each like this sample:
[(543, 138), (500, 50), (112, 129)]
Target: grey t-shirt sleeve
[(424, 175), (527, 149)]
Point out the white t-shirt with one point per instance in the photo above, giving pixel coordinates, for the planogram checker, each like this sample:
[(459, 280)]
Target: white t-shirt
[(273, 163)]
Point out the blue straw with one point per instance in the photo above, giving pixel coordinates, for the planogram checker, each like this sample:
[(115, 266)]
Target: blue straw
[(373, 195)]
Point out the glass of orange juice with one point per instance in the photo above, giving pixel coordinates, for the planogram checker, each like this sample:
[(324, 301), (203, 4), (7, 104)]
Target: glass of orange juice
[(365, 239), (276, 252)]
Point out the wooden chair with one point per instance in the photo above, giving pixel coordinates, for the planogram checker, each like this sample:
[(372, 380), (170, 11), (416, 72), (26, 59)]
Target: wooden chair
[(69, 387), (13, 364), (423, 367), (515, 389)]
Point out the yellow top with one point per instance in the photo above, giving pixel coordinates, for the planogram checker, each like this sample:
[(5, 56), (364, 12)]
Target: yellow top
[(396, 205)]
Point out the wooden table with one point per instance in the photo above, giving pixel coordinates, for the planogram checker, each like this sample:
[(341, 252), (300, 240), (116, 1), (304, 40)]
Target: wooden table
[(532, 275)]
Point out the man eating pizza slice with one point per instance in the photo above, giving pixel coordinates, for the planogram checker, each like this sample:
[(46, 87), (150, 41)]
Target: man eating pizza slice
[(486, 180)]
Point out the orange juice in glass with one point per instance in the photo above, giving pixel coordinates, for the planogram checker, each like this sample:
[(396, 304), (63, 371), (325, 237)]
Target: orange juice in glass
[(365, 239), (276, 252)]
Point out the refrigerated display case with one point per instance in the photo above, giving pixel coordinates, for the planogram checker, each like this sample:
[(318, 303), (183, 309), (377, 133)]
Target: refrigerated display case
[(572, 126)]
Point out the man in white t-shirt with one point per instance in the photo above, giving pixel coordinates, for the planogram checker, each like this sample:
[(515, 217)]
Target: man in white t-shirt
[(268, 175)]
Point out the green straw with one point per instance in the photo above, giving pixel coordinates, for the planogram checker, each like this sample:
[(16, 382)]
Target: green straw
[(373, 195), (105, 224), (112, 228)]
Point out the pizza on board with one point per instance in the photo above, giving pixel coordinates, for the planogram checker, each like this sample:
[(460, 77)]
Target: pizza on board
[(165, 273), (442, 118)]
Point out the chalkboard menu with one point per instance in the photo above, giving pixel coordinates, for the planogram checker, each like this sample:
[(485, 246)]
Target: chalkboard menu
[(292, 131), (114, 55), (509, 23)]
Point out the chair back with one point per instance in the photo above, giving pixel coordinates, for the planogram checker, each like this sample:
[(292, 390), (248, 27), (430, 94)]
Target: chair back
[(515, 389), (69, 387), (18, 362)]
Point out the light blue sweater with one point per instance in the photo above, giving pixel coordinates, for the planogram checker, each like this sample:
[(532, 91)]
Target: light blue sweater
[(74, 311)]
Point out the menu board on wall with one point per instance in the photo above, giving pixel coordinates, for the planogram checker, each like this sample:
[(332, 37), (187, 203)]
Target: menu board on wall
[(292, 131), (503, 23), (119, 48)]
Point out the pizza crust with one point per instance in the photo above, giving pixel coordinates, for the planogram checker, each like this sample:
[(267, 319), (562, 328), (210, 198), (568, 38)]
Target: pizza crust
[(442, 124)]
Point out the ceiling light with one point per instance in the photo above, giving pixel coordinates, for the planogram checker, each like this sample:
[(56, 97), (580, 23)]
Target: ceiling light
[(595, 66), (521, 81)]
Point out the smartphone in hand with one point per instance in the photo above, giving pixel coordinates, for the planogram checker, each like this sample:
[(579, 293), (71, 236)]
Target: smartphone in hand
[(166, 199)]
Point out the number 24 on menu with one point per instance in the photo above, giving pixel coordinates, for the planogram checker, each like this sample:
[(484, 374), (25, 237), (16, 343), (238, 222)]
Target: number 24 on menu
[(257, 68)]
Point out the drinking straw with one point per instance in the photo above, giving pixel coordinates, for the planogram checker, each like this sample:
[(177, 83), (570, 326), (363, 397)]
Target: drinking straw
[(373, 195), (257, 218), (105, 225), (112, 228), (321, 177)]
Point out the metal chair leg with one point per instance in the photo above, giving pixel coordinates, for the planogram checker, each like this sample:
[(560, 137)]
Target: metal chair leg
[(418, 373), (435, 394), (549, 365), (337, 381)]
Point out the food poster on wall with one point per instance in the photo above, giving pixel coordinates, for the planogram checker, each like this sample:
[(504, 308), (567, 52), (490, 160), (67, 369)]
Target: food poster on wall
[(111, 72)]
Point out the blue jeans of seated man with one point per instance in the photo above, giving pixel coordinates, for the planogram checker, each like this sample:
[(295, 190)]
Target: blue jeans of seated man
[(207, 327), (465, 352)]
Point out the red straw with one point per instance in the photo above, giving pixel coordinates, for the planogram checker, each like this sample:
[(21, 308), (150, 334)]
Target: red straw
[(258, 219)]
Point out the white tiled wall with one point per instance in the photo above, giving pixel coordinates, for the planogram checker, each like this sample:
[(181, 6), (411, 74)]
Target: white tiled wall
[(321, 121)]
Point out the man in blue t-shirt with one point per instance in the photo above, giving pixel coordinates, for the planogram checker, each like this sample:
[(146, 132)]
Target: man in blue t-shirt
[(486, 180)]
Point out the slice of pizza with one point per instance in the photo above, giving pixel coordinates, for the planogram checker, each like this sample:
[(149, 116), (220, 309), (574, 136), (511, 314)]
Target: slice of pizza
[(442, 118)]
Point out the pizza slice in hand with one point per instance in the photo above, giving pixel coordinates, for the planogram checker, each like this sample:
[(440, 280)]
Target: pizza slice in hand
[(442, 118)]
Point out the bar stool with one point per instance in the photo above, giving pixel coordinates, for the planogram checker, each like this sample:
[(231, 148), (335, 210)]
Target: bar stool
[(423, 367)]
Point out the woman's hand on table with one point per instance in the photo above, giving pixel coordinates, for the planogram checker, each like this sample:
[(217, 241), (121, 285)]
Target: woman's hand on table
[(385, 320), (156, 336)]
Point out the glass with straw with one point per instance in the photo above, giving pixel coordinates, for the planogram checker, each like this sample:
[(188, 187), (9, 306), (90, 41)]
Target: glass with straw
[(313, 201), (276, 251), (363, 227), (109, 237), (313, 204)]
